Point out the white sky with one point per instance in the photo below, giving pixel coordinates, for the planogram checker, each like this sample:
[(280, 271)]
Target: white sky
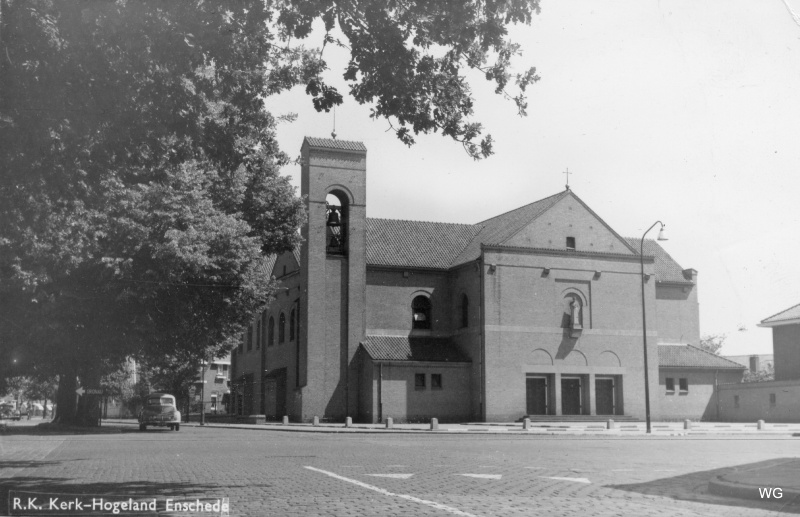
[(683, 111)]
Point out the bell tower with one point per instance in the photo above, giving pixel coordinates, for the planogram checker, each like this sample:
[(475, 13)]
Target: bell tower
[(333, 276)]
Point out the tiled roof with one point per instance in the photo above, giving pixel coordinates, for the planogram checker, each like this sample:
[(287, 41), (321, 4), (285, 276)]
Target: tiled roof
[(688, 356), (412, 348), (667, 270), (330, 143), (792, 313), (265, 268), (500, 228), (394, 242), (268, 265)]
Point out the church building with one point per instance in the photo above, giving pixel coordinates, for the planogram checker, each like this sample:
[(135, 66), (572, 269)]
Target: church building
[(537, 311)]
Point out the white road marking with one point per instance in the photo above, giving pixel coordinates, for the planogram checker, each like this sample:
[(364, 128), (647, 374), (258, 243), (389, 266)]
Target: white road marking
[(394, 476), (576, 480), (483, 476), (433, 504)]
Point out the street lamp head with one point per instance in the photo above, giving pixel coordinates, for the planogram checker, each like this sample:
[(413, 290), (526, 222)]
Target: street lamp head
[(661, 236)]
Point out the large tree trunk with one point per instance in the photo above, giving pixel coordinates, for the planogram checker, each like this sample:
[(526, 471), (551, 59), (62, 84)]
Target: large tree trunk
[(88, 411), (66, 397), (73, 410)]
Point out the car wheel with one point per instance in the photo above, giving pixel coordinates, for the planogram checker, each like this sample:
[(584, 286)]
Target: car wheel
[(142, 427), (177, 427)]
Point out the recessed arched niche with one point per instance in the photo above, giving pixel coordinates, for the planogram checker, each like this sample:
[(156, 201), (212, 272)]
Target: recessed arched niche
[(576, 358), (540, 356), (608, 358)]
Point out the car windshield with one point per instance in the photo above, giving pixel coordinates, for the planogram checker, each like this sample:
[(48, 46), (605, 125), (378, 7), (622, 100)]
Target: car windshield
[(160, 401)]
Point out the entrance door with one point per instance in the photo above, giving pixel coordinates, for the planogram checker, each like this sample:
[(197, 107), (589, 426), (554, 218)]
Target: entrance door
[(275, 394), (604, 393), (536, 395), (570, 396), (280, 394)]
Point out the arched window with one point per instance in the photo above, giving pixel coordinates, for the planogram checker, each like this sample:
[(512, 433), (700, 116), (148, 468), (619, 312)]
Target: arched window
[(250, 337), (291, 326), (271, 331), (464, 311), (264, 328), (421, 313), (336, 224), (282, 328)]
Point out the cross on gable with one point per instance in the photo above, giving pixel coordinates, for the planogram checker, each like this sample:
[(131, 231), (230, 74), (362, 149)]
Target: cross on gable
[(567, 172)]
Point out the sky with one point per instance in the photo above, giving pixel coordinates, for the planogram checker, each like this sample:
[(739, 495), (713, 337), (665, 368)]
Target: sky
[(681, 111)]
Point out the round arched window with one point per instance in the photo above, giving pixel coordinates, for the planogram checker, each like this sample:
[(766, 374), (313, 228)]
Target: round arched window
[(421, 313), (336, 224)]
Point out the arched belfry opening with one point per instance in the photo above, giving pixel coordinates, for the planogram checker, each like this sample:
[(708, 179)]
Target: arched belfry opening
[(336, 224)]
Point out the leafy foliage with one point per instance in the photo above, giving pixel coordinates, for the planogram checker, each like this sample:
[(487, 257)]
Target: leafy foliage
[(140, 186), (765, 374), (712, 343), (409, 58)]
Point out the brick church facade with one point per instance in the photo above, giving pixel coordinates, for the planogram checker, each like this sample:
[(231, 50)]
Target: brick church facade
[(534, 312)]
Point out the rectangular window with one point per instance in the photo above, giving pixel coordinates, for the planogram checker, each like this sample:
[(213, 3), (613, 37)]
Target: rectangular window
[(214, 366), (773, 400), (570, 243), (684, 384), (736, 401), (249, 338), (670, 385), (419, 380), (436, 381)]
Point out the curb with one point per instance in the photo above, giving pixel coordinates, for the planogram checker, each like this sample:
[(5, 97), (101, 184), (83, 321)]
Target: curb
[(719, 486), (536, 431)]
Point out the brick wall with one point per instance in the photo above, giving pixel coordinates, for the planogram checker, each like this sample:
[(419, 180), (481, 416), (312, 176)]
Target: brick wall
[(755, 403), (786, 349)]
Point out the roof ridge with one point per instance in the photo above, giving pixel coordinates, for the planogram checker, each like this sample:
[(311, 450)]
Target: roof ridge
[(710, 353), (562, 193), (418, 221), (779, 313)]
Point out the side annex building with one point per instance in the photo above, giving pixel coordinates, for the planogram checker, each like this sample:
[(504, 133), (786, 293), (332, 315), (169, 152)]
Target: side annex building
[(536, 312)]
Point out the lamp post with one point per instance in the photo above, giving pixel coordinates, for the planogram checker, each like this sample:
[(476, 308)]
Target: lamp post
[(203, 393), (661, 237)]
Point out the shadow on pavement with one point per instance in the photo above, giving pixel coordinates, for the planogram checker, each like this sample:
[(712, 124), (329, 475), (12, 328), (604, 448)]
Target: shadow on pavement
[(49, 429), (694, 487)]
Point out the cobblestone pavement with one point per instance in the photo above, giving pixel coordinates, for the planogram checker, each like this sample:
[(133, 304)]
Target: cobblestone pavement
[(267, 473)]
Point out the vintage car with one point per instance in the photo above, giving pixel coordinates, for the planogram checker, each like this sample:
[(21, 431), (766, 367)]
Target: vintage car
[(159, 410), (8, 411)]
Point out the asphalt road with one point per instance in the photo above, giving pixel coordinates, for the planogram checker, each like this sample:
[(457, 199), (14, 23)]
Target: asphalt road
[(266, 473)]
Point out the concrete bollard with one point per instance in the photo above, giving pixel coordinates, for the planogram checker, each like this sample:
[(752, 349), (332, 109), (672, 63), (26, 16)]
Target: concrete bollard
[(316, 421), (389, 423), (687, 424), (610, 424), (526, 424), (434, 424), (285, 420), (760, 425), (348, 422)]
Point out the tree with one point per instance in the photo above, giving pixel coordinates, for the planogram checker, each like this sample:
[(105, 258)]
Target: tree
[(712, 343), (140, 187), (765, 374)]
